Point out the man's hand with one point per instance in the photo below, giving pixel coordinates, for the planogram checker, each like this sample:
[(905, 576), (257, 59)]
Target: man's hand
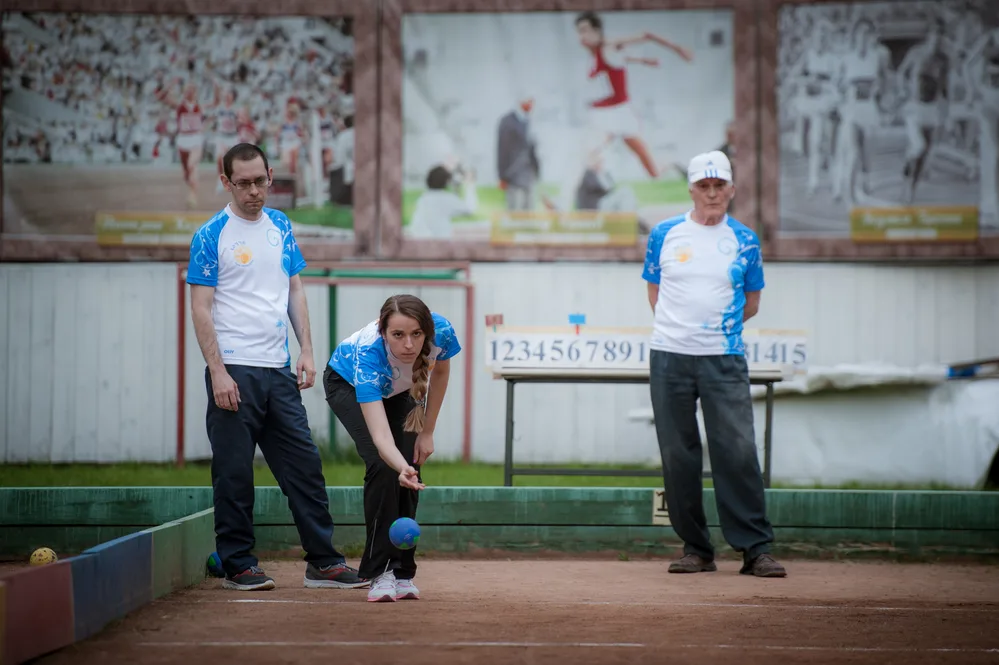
[(225, 391), (410, 479), (298, 313), (305, 371), (424, 447)]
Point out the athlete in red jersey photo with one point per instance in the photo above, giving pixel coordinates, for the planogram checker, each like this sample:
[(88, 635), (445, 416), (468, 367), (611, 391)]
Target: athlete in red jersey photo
[(611, 108), (226, 130), (327, 136), (292, 135), (190, 134), (246, 130), (162, 131)]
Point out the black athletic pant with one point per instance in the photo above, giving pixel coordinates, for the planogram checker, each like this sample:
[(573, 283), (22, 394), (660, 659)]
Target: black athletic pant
[(722, 384), (384, 499), (272, 415)]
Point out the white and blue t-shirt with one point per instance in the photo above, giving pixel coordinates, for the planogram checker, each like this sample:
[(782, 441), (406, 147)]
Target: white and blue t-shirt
[(367, 364), (703, 273), (250, 264)]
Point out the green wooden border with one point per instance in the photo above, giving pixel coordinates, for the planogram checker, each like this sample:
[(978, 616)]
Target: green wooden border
[(599, 506), (656, 541), (180, 551), (460, 518)]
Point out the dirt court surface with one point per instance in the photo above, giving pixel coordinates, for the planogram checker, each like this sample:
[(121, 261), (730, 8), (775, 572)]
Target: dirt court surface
[(580, 611)]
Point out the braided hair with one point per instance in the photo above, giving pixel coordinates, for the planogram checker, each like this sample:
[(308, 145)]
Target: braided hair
[(416, 309)]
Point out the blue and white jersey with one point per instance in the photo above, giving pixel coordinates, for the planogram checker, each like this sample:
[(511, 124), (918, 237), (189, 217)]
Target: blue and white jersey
[(250, 264), (703, 273), (366, 363)]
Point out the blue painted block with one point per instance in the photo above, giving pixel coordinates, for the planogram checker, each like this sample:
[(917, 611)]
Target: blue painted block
[(88, 618), (111, 580), (577, 319)]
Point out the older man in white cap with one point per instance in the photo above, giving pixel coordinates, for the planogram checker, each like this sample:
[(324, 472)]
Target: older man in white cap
[(705, 274)]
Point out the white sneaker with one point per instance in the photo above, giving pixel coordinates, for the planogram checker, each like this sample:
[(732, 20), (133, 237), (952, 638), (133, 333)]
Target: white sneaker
[(406, 590), (383, 588)]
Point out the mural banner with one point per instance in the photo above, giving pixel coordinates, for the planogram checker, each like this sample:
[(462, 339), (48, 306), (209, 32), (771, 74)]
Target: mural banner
[(115, 126), (887, 117), (562, 130)]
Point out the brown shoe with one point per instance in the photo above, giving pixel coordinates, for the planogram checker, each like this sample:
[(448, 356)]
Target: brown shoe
[(691, 563), (763, 566)]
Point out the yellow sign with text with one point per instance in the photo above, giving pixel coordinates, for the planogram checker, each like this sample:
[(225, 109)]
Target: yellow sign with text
[(577, 228), (914, 224), (162, 229)]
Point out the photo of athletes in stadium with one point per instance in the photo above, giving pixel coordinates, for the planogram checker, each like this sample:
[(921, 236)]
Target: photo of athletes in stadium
[(116, 125), (889, 120), (558, 128)]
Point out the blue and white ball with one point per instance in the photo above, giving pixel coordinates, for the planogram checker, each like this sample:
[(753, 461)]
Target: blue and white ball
[(404, 533)]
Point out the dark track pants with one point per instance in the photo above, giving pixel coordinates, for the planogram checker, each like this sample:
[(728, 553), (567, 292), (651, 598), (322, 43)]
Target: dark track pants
[(271, 415), (384, 499), (722, 384)]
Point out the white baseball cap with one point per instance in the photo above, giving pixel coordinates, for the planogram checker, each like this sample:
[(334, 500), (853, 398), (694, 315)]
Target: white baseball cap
[(712, 164)]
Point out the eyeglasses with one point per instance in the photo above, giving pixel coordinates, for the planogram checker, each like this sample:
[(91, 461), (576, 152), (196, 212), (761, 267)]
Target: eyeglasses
[(261, 183)]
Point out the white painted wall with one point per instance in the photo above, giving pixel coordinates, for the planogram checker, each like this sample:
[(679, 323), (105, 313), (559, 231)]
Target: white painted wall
[(196, 444), (356, 307), (88, 362), (853, 314), (87, 352)]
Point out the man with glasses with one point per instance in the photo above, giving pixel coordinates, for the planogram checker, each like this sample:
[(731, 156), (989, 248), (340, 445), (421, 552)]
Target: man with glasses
[(244, 277)]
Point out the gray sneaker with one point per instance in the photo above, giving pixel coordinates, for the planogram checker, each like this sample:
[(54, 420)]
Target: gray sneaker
[(251, 579), (335, 576), (692, 563)]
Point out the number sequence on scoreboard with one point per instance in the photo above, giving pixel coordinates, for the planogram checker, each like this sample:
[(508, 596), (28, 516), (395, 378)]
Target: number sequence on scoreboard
[(620, 350), (542, 350), (776, 351)]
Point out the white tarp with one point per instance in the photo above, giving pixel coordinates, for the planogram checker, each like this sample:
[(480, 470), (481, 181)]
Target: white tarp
[(944, 433), (878, 424), (848, 377)]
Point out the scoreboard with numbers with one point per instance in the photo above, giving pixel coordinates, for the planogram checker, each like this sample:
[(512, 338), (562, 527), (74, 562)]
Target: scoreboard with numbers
[(586, 347), (604, 348)]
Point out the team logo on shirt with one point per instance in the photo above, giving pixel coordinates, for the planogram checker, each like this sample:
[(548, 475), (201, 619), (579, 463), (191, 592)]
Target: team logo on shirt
[(242, 254), (683, 253), (728, 246)]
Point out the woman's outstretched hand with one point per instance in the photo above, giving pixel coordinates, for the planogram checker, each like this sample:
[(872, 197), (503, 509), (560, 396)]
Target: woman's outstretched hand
[(410, 479)]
